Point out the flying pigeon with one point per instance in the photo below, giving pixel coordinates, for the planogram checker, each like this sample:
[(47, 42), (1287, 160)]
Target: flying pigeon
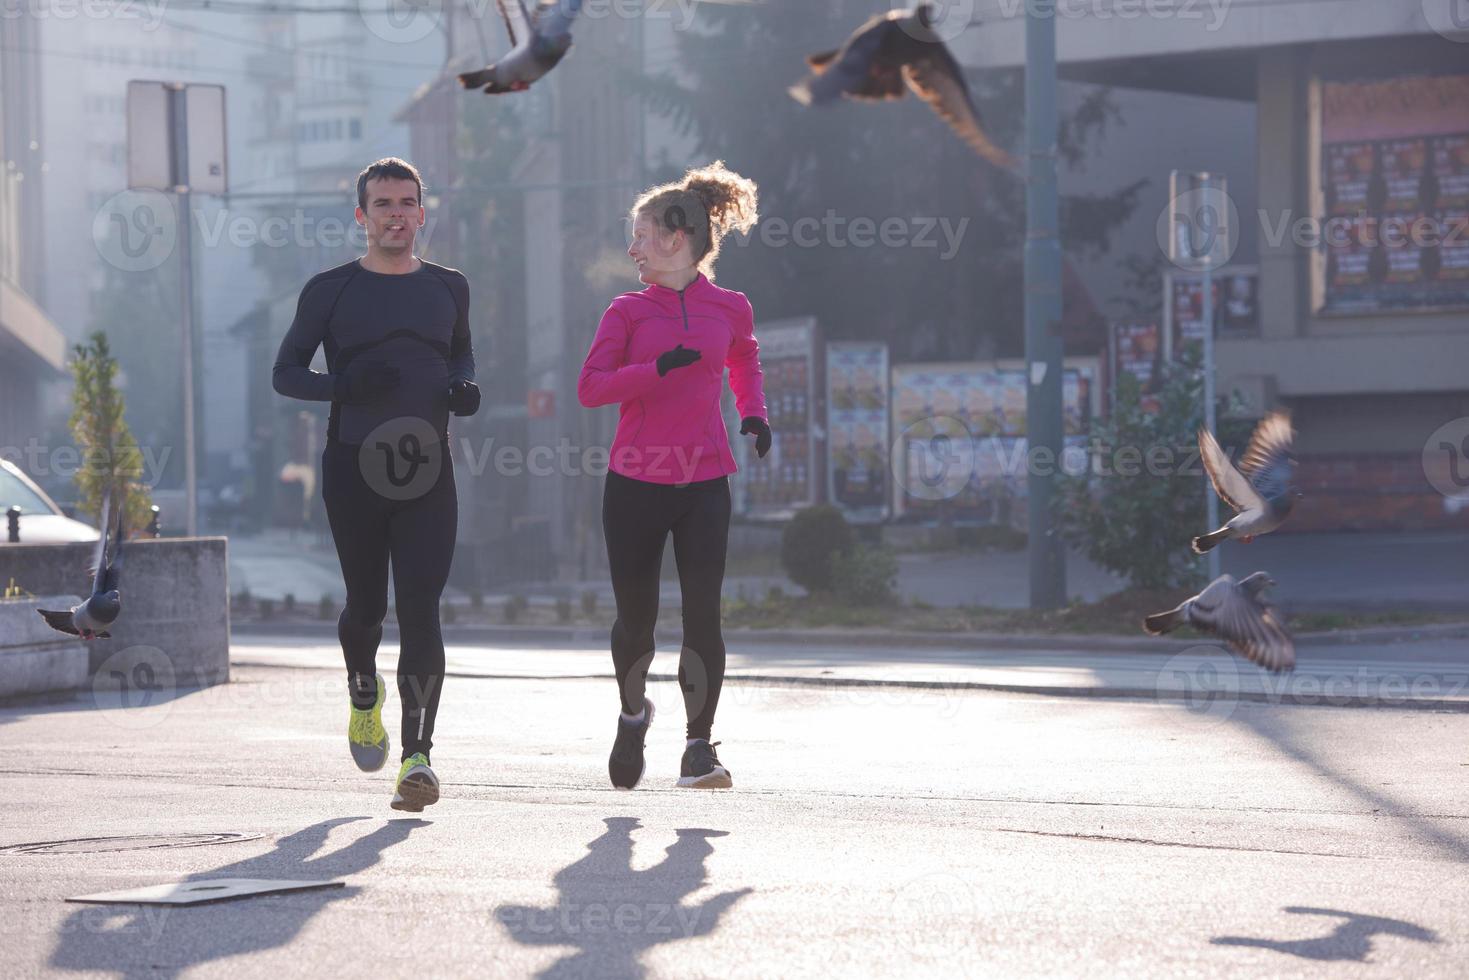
[(890, 54), (90, 618), (538, 42), (1236, 613), (1260, 490)]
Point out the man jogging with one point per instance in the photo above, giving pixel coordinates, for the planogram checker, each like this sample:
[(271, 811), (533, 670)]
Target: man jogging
[(398, 360)]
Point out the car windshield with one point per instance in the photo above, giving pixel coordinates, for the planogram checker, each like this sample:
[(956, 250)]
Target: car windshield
[(14, 493)]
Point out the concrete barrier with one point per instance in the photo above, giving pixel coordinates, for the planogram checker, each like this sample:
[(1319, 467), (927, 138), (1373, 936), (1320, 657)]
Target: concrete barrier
[(34, 658), (175, 605)]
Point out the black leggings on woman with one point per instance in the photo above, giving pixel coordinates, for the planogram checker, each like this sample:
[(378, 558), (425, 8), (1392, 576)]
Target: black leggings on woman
[(637, 517), (369, 526)]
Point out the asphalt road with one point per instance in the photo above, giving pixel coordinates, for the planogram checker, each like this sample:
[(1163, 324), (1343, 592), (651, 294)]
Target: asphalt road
[(873, 831)]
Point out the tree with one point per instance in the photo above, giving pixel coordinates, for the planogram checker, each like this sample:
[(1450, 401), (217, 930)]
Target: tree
[(111, 459), (953, 288)]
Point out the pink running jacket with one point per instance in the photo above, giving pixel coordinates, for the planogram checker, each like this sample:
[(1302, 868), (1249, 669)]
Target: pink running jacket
[(670, 429)]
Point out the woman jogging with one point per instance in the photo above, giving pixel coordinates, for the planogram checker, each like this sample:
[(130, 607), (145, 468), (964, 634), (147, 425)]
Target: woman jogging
[(661, 353)]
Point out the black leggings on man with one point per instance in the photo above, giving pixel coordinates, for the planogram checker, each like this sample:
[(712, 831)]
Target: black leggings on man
[(637, 518), (370, 526)]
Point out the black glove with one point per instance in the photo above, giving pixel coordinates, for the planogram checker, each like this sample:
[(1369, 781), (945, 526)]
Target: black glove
[(761, 429), (365, 383), (464, 398), (679, 357)]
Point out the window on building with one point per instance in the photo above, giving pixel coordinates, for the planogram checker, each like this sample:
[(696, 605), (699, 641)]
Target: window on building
[(355, 129)]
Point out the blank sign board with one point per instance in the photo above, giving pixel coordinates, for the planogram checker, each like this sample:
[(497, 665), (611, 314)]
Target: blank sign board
[(199, 892), (176, 137)]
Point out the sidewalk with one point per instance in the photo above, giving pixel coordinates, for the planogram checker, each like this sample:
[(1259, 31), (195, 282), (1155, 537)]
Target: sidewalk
[(1431, 672)]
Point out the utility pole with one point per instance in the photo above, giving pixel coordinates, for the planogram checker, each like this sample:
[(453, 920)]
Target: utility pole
[(1043, 348)]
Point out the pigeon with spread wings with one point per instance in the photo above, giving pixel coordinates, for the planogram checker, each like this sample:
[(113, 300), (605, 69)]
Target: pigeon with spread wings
[(1236, 613), (538, 42), (90, 618), (1261, 490), (890, 54)]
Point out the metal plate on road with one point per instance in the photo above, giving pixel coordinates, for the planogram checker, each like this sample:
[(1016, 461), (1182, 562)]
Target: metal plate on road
[(131, 842), (201, 891)]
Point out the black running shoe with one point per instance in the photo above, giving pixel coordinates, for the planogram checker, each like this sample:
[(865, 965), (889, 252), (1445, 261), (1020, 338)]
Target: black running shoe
[(701, 768), (625, 765)]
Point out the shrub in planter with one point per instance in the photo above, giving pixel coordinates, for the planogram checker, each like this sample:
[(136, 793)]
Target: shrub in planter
[(808, 543)]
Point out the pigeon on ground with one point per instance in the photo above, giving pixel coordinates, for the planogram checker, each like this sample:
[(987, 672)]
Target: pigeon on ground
[(1260, 490), (90, 618), (538, 42), (1238, 614), (890, 54)]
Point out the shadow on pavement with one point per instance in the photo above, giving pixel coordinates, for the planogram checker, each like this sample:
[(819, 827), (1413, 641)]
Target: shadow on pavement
[(1350, 941), (611, 914), (165, 941)]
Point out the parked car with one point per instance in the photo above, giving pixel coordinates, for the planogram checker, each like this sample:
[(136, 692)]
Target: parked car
[(41, 521)]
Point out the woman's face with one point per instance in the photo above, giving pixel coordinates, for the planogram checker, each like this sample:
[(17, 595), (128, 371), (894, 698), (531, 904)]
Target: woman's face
[(660, 254)]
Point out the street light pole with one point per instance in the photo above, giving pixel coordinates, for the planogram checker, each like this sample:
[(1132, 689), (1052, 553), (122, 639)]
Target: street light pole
[(1043, 348)]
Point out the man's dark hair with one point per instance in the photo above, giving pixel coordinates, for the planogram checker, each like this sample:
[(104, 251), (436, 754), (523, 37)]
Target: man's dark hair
[(387, 167)]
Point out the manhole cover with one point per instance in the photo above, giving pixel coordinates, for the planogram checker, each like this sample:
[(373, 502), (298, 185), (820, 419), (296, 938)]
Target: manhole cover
[(136, 842)]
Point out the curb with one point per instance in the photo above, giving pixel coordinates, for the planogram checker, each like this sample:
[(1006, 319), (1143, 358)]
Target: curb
[(1101, 643)]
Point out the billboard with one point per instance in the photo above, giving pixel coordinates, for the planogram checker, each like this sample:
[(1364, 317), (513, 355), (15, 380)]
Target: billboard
[(857, 464), (788, 478), (960, 452), (1236, 292), (1391, 184)]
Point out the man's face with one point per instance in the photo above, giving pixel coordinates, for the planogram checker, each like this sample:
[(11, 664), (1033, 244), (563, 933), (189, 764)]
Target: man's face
[(393, 214)]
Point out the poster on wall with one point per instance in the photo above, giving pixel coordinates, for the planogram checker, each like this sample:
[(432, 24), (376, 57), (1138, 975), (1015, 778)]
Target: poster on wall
[(960, 436), (1236, 292), (1137, 350), (857, 466), (788, 478), (1393, 195)]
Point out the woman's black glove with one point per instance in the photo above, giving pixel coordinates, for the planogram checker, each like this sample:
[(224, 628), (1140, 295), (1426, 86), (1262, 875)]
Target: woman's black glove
[(679, 357), (365, 383), (464, 398), (761, 428)]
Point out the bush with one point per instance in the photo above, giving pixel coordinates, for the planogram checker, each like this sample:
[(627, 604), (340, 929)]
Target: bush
[(563, 610), (1135, 522), (515, 607), (267, 608), (808, 543), (325, 607), (447, 613), (288, 604), (589, 603), (865, 576)]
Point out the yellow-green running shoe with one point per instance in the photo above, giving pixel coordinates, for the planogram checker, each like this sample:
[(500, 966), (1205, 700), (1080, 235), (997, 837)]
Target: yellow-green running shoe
[(417, 786), (366, 736)]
